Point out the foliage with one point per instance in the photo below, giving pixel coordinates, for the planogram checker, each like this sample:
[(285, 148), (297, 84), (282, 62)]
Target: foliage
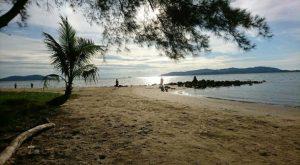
[(176, 27)]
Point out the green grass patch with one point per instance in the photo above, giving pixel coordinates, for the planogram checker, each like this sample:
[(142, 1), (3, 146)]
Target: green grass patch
[(20, 111)]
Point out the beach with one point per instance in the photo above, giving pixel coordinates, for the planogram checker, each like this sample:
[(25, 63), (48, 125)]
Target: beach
[(141, 125)]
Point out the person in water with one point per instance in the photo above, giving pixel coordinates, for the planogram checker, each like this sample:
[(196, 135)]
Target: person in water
[(31, 85), (15, 85)]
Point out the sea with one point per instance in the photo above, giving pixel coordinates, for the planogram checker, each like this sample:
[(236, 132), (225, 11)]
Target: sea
[(279, 88)]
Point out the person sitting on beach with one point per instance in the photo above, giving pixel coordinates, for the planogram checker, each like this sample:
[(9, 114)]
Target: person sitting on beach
[(162, 88), (166, 88)]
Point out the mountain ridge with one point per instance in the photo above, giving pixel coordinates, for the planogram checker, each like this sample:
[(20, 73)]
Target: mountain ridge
[(23, 78), (232, 70)]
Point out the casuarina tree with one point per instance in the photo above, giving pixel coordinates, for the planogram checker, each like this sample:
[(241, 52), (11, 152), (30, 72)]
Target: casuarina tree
[(176, 28)]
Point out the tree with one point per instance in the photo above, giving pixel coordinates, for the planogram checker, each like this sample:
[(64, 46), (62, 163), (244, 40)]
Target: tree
[(177, 28), (18, 8), (71, 55)]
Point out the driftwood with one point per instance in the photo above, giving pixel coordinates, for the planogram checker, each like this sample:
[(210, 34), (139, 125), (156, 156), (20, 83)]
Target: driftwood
[(16, 143)]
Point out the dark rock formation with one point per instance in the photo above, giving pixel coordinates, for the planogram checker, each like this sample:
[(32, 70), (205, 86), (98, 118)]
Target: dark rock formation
[(202, 84)]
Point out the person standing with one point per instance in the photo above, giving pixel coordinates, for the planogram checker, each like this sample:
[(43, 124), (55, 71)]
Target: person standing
[(31, 85), (162, 84), (161, 81), (15, 85), (117, 83)]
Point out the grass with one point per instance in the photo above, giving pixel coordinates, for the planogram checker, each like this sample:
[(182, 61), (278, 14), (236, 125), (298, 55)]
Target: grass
[(20, 111)]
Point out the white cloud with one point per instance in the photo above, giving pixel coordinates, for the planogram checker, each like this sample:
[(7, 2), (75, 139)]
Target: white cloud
[(18, 48), (273, 10), (21, 55), (43, 18), (218, 45)]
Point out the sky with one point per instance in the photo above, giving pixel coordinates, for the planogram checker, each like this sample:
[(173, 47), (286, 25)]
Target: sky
[(22, 51)]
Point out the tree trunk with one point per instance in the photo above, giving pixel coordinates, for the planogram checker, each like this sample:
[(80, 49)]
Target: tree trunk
[(12, 13), (68, 90), (16, 143)]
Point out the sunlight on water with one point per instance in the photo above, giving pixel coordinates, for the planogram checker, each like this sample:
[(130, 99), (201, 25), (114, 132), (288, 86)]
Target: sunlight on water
[(150, 80), (154, 80)]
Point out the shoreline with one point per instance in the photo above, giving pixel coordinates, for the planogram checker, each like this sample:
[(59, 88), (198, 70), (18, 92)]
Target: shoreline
[(242, 101), (172, 91), (254, 108), (176, 92), (191, 100), (254, 102)]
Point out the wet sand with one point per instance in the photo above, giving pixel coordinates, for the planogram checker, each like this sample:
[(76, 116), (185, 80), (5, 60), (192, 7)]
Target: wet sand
[(141, 125)]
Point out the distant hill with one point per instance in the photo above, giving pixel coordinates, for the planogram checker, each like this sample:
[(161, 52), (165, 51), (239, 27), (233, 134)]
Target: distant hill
[(23, 78), (259, 69)]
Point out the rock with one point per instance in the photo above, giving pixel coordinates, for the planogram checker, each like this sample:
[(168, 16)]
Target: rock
[(75, 132), (60, 154), (202, 84), (264, 153), (36, 152), (102, 156)]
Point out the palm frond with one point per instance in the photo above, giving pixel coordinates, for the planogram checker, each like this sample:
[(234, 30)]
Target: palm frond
[(51, 77), (86, 49), (58, 56), (67, 38), (90, 73)]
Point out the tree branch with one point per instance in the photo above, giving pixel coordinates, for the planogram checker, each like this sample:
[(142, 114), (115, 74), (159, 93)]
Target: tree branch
[(12, 13), (15, 144)]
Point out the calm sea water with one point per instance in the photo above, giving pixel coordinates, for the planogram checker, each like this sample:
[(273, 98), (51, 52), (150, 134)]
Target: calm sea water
[(279, 88)]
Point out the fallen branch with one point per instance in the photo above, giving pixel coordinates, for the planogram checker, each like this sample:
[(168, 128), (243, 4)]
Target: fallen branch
[(16, 143)]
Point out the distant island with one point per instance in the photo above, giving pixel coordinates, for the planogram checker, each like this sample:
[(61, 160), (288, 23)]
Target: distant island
[(23, 78), (259, 69)]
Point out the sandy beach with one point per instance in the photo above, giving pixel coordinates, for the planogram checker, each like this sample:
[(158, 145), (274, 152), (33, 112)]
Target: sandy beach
[(141, 125)]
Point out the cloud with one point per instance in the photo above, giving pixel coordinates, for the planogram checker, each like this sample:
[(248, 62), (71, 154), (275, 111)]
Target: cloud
[(42, 20), (292, 32), (219, 45), (22, 55), (273, 10), (23, 52), (19, 48)]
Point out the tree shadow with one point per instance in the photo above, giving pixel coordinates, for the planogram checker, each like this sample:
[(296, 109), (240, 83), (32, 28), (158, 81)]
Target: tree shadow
[(57, 101)]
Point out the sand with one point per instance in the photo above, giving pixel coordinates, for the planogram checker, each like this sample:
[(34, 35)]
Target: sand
[(141, 125)]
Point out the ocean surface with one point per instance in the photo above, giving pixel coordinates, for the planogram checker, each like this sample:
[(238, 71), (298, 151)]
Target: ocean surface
[(279, 88)]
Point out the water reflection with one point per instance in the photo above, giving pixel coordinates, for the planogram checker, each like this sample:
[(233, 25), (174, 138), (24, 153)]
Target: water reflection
[(154, 80)]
